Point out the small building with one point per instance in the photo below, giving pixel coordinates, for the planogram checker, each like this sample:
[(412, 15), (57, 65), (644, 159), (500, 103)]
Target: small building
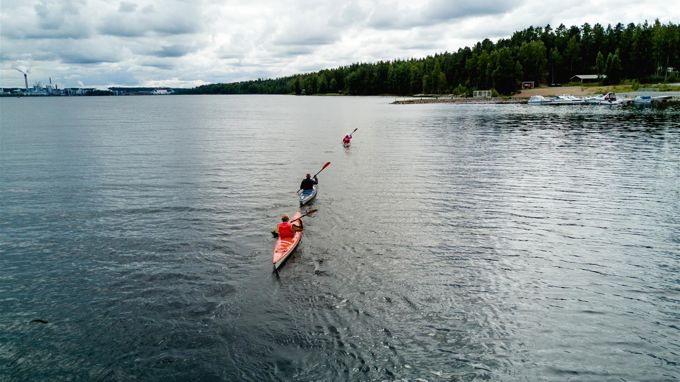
[(528, 84), (481, 93), (583, 78)]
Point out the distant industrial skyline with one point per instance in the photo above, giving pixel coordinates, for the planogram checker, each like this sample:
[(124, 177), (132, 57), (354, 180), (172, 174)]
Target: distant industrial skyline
[(96, 43)]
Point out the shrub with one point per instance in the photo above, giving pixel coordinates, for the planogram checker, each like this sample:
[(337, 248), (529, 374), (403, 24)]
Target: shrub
[(462, 90)]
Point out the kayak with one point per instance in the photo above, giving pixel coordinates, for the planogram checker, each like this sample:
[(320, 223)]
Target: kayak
[(307, 196), (284, 247), (346, 145)]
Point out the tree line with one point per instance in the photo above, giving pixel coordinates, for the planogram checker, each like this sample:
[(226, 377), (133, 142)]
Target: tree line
[(637, 52)]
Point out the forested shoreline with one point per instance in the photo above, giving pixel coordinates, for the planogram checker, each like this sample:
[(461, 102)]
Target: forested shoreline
[(635, 52)]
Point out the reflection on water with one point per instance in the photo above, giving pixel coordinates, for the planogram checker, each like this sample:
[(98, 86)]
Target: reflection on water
[(452, 242)]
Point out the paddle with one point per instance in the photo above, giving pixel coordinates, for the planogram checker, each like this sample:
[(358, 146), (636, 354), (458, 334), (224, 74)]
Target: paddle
[(309, 212), (350, 134), (323, 168)]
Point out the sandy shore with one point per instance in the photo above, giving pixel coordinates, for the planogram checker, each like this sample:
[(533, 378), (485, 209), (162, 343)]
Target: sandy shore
[(520, 97), (579, 91), (523, 96), (448, 99)]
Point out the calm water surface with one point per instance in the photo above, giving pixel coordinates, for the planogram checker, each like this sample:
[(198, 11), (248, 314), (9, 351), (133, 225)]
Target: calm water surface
[(452, 242)]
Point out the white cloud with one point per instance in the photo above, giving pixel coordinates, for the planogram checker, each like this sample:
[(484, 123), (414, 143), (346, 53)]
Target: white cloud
[(185, 43)]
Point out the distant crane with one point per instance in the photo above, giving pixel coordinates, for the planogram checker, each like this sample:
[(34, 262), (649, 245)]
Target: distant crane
[(25, 72)]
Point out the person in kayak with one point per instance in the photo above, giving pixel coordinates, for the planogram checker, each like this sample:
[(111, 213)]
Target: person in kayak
[(347, 139), (286, 230), (308, 183)]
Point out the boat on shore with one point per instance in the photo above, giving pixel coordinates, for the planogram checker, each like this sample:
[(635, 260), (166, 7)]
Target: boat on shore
[(564, 99), (643, 100), (539, 100), (284, 247), (567, 99), (648, 100), (607, 99)]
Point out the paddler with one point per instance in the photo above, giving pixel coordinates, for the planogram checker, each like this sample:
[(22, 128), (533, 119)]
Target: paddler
[(308, 183), (347, 139), (285, 229)]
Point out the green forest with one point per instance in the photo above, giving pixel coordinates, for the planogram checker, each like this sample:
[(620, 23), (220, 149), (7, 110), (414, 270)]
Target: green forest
[(646, 53)]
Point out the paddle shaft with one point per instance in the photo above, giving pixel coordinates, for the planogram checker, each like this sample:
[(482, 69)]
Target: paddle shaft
[(301, 216), (323, 168)]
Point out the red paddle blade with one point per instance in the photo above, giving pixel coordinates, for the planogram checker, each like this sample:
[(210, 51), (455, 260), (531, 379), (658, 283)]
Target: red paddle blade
[(322, 168)]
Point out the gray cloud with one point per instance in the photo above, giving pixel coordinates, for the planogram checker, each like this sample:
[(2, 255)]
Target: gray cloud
[(84, 58), (53, 14), (436, 12), (173, 51), (122, 27), (125, 7), (306, 39), (163, 65), (176, 19), (442, 10), (292, 50), (44, 20)]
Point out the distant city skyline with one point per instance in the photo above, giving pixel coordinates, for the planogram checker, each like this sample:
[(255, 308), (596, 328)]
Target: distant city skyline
[(96, 43)]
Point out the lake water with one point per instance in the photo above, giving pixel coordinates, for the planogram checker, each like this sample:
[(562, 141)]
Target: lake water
[(451, 242)]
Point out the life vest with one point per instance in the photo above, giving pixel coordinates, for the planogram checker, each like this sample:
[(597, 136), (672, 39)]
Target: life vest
[(346, 139), (286, 230)]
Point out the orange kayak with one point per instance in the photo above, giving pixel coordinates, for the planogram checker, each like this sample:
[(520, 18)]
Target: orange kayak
[(284, 247)]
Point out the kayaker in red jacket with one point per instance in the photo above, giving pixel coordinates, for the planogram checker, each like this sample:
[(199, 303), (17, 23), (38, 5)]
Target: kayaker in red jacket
[(286, 230), (347, 139)]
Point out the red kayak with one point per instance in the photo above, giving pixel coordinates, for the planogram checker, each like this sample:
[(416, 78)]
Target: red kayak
[(284, 247)]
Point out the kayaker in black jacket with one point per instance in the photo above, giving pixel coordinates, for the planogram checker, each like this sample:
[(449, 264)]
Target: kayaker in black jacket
[(308, 183)]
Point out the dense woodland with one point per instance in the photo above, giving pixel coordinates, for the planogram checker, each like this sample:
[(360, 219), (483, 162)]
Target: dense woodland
[(639, 53)]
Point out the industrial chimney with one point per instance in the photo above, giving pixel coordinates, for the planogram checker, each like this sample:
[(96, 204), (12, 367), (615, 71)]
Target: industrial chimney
[(26, 81)]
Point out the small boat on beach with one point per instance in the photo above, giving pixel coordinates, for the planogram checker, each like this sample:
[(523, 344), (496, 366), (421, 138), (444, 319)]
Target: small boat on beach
[(564, 99), (284, 247), (648, 100), (643, 100), (567, 99), (607, 99), (539, 100), (306, 196)]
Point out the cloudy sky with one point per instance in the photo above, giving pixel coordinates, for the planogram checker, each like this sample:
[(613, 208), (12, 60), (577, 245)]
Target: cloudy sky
[(101, 43)]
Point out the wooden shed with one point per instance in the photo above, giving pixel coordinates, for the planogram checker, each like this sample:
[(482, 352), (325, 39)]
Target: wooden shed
[(587, 78)]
